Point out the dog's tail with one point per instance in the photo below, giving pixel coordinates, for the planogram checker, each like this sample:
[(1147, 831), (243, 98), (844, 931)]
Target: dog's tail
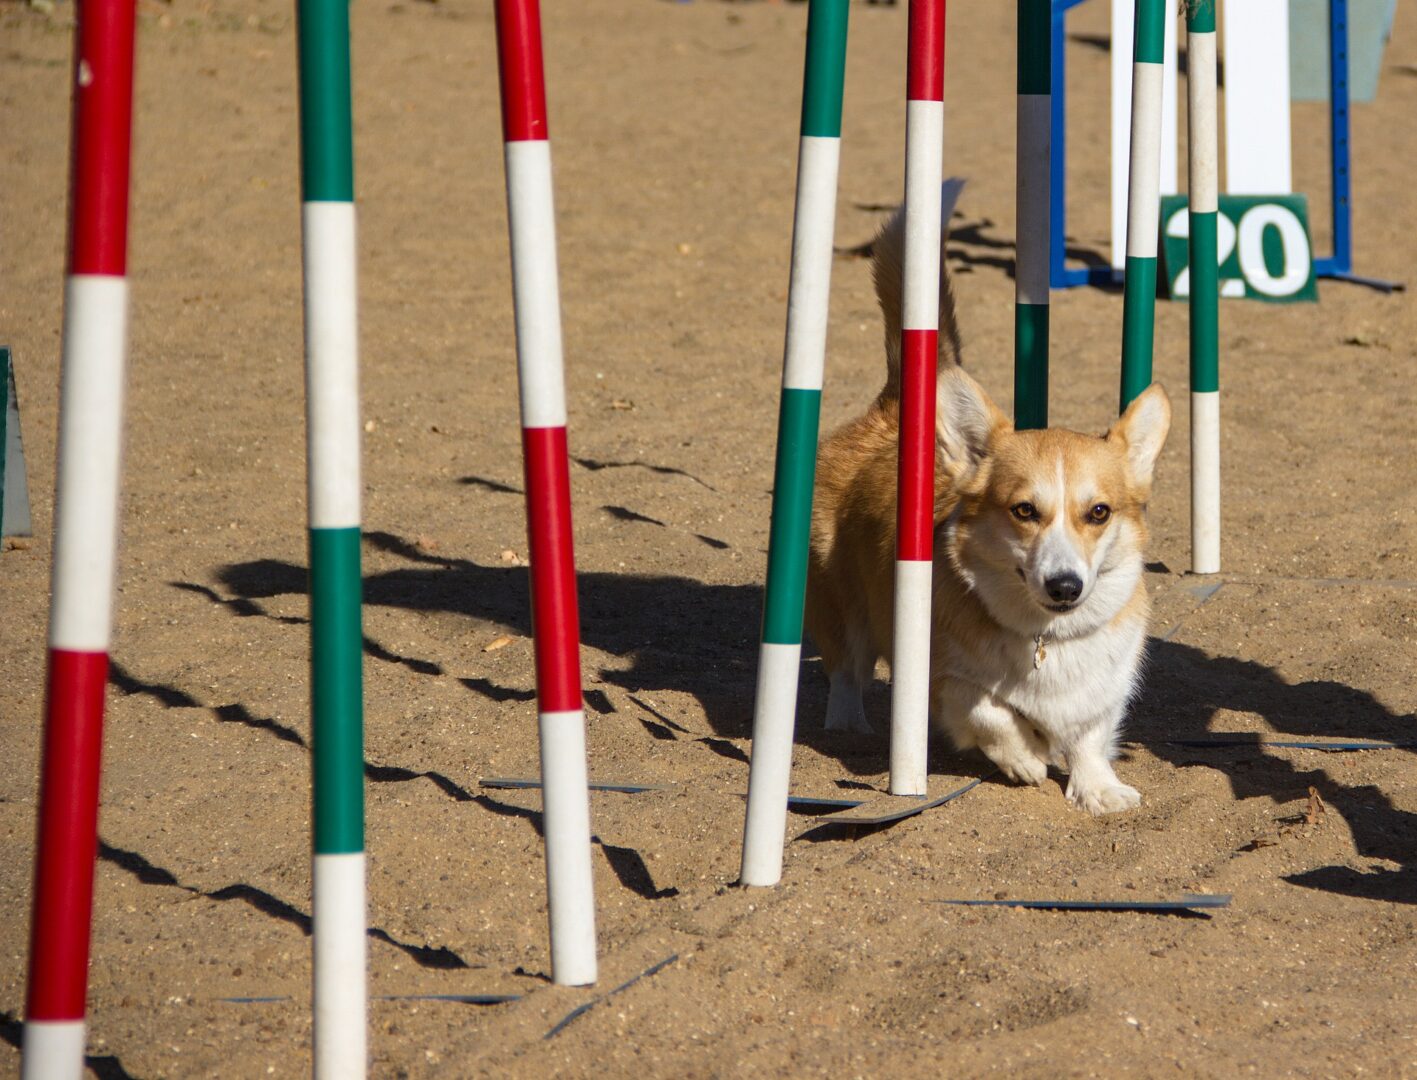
[(888, 257)]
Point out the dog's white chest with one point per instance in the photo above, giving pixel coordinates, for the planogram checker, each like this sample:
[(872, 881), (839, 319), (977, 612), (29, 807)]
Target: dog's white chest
[(1063, 683), (1073, 681)]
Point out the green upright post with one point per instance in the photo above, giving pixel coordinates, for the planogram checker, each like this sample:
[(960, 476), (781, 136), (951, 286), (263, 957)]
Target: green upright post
[(1034, 157), (1143, 199), (775, 708), (1205, 289), (336, 640)]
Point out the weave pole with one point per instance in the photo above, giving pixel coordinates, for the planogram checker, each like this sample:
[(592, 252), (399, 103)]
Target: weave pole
[(555, 618), (1031, 189), (1143, 199), (814, 222), (85, 539), (332, 462), (920, 322), (1205, 288)]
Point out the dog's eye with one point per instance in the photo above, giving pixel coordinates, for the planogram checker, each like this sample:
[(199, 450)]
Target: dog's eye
[(1099, 514), (1024, 511)]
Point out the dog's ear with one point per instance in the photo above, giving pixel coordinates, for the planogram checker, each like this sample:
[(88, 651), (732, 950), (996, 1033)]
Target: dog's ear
[(965, 421), (1142, 430)]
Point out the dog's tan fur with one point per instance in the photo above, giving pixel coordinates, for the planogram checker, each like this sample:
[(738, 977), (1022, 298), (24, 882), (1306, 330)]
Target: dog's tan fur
[(1025, 682)]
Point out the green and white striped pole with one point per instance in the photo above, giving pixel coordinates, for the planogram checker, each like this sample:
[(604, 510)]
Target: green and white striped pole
[(1143, 199), (1031, 189), (1205, 289), (775, 708), (336, 641)]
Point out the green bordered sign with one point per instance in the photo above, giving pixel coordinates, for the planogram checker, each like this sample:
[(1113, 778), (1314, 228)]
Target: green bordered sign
[(1262, 244)]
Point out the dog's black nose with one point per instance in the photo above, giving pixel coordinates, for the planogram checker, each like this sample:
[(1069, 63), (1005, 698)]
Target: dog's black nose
[(1063, 588)]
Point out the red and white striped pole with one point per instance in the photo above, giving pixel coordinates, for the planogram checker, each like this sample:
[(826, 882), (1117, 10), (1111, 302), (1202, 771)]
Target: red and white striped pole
[(920, 323), (555, 619), (85, 538)]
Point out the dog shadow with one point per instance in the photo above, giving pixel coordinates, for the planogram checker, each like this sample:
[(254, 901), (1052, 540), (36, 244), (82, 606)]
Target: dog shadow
[(675, 634), (1185, 688), (666, 633)]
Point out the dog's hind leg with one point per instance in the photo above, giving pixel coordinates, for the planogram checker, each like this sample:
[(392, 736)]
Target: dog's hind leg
[(846, 658), (974, 717), (846, 707)]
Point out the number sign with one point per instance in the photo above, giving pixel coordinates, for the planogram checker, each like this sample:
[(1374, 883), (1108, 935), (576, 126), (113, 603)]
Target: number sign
[(1262, 242)]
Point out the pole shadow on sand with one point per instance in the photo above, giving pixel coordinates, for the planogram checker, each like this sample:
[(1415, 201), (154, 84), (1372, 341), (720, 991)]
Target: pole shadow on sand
[(681, 635)]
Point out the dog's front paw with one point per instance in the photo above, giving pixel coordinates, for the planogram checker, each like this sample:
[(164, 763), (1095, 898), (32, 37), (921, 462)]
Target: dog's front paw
[(1104, 798)]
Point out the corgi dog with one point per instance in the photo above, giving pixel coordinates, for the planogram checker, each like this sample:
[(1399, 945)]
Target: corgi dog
[(1039, 608)]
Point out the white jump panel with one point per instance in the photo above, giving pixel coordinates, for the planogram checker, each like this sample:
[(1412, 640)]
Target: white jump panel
[(1255, 38)]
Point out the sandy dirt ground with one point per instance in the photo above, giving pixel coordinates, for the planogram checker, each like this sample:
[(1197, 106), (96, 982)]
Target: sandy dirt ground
[(674, 132)]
